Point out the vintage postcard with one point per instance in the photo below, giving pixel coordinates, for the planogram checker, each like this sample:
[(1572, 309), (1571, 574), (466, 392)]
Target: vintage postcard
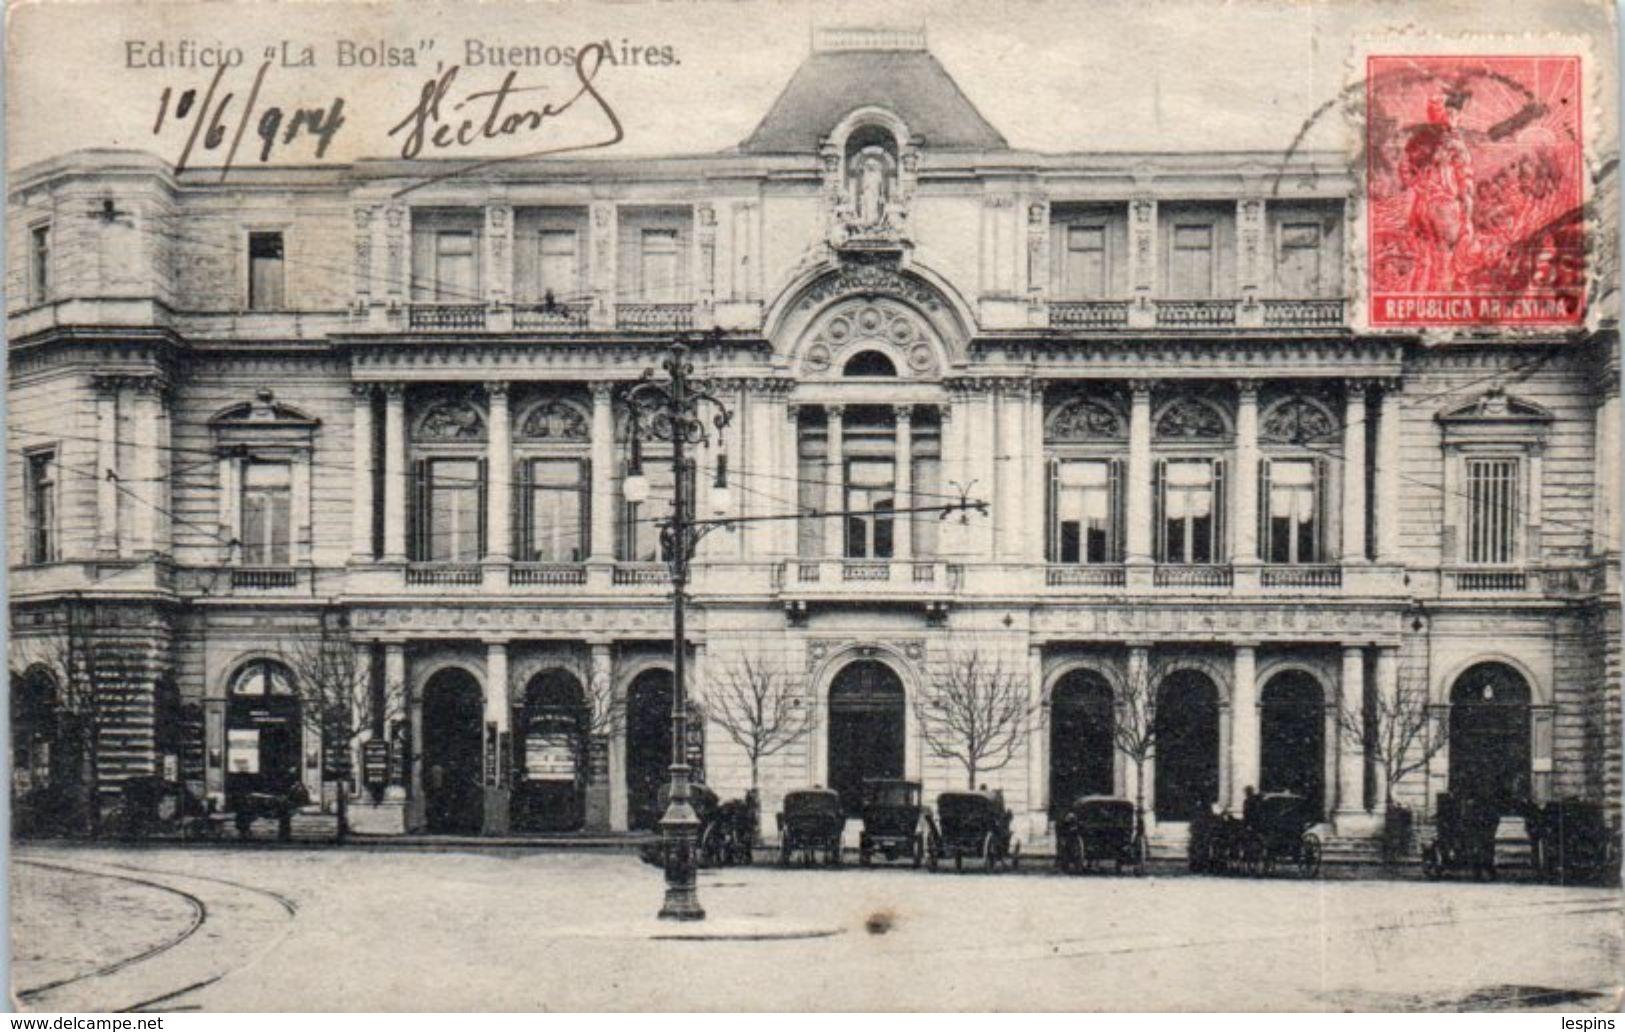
[(804, 507)]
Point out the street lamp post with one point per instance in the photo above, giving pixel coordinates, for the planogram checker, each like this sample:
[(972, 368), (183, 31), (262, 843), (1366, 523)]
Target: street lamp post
[(671, 411)]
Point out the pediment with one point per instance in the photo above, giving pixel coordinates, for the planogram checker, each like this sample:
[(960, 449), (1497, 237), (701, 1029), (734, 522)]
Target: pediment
[(264, 410), (1497, 407)]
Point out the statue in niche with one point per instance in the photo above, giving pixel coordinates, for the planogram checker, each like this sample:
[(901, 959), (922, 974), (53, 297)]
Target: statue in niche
[(870, 177)]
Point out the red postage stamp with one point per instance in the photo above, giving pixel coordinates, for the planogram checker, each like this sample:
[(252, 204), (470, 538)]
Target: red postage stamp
[(1475, 191)]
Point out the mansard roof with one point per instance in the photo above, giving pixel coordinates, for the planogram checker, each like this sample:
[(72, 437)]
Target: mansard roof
[(909, 82)]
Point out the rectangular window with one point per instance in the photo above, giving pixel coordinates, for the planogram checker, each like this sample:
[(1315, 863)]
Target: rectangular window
[(555, 523), (1191, 506), (456, 267), (1292, 493), (1083, 529), (39, 264), (559, 267), (659, 267), (1492, 510), (1190, 262), (267, 513), (265, 275), (455, 490), (1085, 270), (870, 500), (41, 500), (1298, 267)]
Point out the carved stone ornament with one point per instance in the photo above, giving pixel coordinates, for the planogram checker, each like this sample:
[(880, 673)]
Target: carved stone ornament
[(1189, 418), (555, 420), (1297, 421), (1083, 419), (451, 419), (865, 325)]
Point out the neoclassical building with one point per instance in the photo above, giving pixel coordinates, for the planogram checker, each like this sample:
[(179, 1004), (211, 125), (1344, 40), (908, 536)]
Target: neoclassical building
[(246, 412)]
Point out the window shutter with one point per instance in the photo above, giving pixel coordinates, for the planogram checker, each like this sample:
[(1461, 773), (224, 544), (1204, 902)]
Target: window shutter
[(1321, 501), (1052, 549), (1117, 500), (483, 508), (417, 511), (1221, 522), (1266, 547), (585, 508), (1159, 525), (524, 502), (423, 252)]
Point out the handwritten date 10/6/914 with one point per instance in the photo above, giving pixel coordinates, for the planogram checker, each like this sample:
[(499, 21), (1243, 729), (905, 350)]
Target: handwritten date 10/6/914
[(213, 118)]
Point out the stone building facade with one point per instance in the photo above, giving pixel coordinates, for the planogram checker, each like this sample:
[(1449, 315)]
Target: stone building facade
[(241, 410)]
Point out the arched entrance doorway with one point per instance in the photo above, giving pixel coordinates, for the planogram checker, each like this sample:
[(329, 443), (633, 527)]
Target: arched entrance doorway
[(866, 729), (46, 758), (1292, 738), (453, 719), (1187, 746), (550, 726), (648, 746), (1489, 735), (1080, 739), (264, 732)]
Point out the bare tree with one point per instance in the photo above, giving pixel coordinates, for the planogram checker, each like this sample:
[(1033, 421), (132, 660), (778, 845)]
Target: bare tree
[(976, 713), (1135, 724), (1401, 733), (757, 705), (339, 698)]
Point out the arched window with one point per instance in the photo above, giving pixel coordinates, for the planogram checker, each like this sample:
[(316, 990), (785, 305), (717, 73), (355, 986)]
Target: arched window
[(1294, 435), (1190, 491), (263, 730), (262, 677), (449, 478), (869, 363), (552, 482)]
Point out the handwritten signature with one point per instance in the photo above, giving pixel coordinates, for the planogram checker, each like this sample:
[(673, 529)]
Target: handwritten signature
[(438, 121)]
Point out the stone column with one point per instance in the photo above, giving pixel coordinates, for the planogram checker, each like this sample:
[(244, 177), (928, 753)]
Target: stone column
[(107, 521), (1351, 757), (1244, 726), (788, 439), (1246, 478), (1354, 472), (149, 484), (1607, 466), (1388, 469), (495, 811), (834, 490), (1139, 474), (1009, 471), (410, 765), (603, 472), (1388, 698), (499, 476), (395, 472), (1139, 673), (982, 451), (1038, 729), (603, 676), (361, 489), (903, 523), (1036, 467)]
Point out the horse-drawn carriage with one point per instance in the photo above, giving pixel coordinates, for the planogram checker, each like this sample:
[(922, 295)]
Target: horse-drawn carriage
[(811, 824), (972, 824), (1096, 828), (895, 821), (1277, 831), (1571, 841), (1465, 828)]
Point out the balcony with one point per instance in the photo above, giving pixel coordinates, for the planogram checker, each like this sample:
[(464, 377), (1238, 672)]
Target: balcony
[(1310, 313), (662, 316), (1192, 576), (444, 575), (1300, 577), (1488, 581), (550, 575), (890, 578), (446, 317), (263, 578), (1081, 576), (644, 574), (1088, 315), (538, 318), (1196, 314)]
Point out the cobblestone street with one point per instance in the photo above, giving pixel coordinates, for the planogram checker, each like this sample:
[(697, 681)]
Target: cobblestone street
[(294, 929)]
